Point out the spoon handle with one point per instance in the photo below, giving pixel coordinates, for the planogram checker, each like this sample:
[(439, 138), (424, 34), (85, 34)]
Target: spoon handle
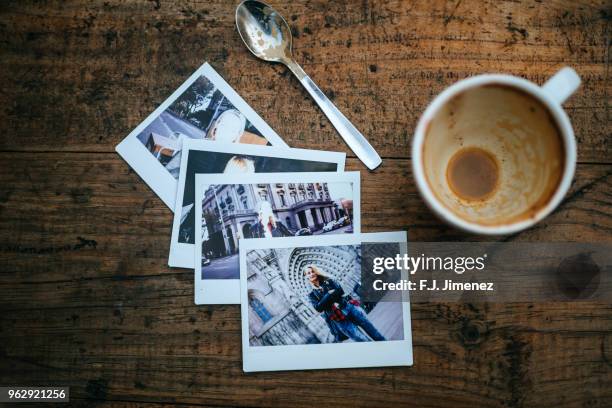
[(353, 138)]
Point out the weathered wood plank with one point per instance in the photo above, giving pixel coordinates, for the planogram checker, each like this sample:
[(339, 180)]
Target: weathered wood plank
[(142, 339), (105, 315), (80, 77), (52, 203)]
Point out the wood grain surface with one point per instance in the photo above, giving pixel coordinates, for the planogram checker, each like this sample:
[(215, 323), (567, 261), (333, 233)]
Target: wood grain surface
[(87, 299)]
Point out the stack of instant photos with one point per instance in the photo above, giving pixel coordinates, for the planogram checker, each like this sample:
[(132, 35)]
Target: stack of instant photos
[(274, 229)]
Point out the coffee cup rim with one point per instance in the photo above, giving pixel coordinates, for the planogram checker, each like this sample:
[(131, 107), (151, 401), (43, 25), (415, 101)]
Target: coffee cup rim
[(563, 124)]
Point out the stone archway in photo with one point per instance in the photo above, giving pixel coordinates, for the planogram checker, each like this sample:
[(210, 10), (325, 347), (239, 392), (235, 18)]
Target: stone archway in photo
[(341, 263)]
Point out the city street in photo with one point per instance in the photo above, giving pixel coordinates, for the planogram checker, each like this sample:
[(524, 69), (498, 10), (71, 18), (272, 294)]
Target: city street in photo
[(208, 158), (264, 206)]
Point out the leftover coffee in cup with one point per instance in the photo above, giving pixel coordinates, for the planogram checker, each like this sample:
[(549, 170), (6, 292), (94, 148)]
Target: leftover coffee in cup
[(494, 154)]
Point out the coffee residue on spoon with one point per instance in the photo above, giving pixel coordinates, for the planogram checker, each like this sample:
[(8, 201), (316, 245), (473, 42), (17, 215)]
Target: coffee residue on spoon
[(473, 174)]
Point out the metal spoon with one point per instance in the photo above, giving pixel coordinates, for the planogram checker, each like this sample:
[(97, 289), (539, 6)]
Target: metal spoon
[(267, 35)]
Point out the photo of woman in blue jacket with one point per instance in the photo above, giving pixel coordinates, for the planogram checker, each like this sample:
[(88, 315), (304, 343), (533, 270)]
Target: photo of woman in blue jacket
[(343, 315)]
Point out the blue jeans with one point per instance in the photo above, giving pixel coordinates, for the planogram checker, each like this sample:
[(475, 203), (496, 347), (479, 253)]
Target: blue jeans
[(355, 318)]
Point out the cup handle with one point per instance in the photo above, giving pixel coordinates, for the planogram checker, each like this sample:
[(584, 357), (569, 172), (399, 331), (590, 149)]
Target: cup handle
[(562, 85)]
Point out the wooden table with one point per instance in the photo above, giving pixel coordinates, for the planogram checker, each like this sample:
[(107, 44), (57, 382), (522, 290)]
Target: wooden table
[(87, 298)]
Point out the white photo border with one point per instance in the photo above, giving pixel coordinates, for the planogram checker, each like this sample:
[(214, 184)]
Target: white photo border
[(182, 255), (227, 291), (323, 356), (150, 169)]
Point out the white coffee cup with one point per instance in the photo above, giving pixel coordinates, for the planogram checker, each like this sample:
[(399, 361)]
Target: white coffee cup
[(526, 137)]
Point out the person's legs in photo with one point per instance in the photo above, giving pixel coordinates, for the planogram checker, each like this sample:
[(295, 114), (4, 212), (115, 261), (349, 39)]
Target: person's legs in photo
[(357, 315), (351, 331)]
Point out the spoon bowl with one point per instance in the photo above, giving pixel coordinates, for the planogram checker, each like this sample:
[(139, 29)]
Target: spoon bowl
[(265, 32), (267, 35)]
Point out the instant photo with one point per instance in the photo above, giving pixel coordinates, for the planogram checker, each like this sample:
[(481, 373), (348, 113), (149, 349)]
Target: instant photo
[(232, 208), (204, 107), (301, 305), (205, 157)]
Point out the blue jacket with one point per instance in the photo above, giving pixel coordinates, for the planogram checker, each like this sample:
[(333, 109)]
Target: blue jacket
[(322, 300)]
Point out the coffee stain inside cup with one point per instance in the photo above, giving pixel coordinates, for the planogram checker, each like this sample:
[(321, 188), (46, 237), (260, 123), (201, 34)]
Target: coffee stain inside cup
[(493, 155), (473, 174)]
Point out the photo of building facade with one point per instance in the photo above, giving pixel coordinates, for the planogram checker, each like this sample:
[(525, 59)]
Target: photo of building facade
[(229, 212), (279, 310)]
